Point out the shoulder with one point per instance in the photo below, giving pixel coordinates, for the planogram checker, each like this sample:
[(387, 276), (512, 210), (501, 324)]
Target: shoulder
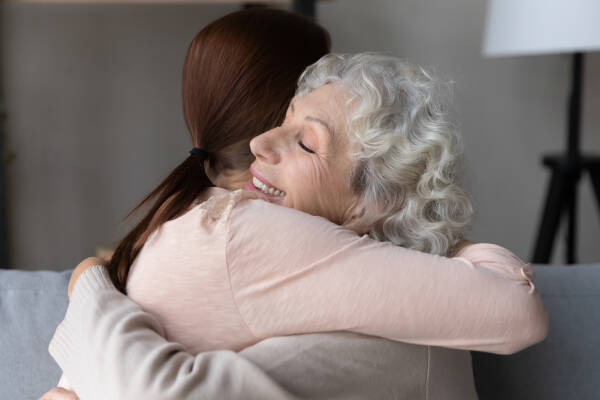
[(208, 214), (244, 211), (218, 203), (214, 207), (280, 240), (261, 219)]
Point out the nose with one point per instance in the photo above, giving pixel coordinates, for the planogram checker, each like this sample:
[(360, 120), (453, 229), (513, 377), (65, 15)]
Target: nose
[(265, 146)]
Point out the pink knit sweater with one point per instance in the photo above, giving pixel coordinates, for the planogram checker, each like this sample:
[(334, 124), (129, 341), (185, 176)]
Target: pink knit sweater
[(235, 269)]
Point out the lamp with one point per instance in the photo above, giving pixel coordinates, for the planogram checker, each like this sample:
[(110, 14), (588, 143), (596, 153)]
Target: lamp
[(526, 27)]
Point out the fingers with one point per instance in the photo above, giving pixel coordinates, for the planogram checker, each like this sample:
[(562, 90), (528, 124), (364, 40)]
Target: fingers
[(59, 393), (88, 262), (85, 264)]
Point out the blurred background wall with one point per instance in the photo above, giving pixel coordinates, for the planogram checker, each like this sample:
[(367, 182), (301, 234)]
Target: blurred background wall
[(94, 115)]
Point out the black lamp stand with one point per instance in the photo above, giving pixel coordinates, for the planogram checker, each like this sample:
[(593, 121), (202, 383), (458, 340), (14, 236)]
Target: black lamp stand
[(566, 169)]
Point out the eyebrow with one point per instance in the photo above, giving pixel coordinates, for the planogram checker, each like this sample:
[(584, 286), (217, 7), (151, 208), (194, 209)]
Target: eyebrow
[(317, 120), (320, 121)]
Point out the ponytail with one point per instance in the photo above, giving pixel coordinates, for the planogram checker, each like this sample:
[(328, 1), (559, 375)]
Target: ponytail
[(173, 197)]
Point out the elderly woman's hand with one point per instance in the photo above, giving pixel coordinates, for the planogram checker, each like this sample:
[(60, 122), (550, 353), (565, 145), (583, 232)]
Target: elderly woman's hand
[(85, 264), (58, 393)]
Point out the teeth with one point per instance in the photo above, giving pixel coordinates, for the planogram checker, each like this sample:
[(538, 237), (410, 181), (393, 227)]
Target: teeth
[(266, 189)]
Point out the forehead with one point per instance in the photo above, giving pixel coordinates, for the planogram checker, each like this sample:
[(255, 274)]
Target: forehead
[(330, 99), (327, 105)]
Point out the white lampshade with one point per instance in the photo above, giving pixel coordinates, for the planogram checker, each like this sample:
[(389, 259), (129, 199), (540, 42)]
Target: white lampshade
[(519, 27)]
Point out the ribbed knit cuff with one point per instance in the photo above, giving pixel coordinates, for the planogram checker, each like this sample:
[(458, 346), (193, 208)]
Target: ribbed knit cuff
[(67, 334), (92, 279)]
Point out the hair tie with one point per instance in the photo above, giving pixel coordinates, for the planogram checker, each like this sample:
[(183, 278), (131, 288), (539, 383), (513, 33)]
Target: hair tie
[(199, 151)]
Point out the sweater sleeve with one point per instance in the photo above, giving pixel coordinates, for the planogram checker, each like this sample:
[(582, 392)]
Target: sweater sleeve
[(306, 274), (110, 349)]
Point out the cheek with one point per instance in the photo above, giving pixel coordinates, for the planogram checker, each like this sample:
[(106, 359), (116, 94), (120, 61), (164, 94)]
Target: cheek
[(316, 190), (309, 177)]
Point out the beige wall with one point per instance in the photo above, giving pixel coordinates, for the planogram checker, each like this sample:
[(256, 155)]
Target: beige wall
[(95, 117)]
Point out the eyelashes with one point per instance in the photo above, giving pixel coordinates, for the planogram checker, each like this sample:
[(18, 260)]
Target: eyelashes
[(305, 148)]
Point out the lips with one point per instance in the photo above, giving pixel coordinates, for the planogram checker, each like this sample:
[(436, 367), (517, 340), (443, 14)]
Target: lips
[(265, 188), (262, 186)]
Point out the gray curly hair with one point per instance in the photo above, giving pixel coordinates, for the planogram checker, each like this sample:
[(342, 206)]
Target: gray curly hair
[(410, 153)]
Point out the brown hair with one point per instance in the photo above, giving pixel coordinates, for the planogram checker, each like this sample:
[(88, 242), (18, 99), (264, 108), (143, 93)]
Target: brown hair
[(239, 75)]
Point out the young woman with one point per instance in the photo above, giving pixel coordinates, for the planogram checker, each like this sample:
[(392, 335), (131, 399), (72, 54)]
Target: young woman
[(239, 75)]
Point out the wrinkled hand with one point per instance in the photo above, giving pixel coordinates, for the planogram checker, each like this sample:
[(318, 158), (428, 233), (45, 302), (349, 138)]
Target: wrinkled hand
[(58, 393), (85, 264)]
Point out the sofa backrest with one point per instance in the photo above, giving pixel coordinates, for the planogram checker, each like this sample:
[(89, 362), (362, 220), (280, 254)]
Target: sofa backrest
[(566, 365), (32, 304)]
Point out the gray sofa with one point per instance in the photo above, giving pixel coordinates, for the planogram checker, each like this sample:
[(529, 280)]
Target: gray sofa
[(564, 366)]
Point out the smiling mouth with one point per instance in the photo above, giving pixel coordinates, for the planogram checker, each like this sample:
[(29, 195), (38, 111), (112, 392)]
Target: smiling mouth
[(266, 189)]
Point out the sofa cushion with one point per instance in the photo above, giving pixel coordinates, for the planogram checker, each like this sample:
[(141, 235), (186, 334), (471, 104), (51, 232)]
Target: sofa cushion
[(566, 365), (32, 304)]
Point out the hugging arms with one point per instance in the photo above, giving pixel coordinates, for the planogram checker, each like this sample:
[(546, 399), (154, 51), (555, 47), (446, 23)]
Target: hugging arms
[(356, 151), (104, 326)]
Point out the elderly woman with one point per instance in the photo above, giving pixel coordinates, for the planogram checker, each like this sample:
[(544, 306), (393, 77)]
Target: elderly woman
[(365, 148)]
